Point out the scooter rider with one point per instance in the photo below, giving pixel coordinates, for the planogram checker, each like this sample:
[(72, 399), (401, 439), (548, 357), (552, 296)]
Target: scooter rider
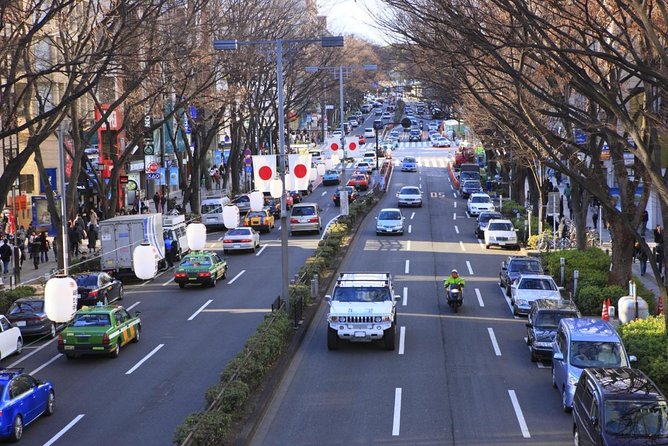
[(454, 279)]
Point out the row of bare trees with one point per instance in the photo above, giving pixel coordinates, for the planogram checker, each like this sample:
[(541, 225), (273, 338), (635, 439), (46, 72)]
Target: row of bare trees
[(532, 75)]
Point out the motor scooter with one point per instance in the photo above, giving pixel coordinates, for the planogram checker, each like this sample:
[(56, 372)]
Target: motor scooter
[(455, 296)]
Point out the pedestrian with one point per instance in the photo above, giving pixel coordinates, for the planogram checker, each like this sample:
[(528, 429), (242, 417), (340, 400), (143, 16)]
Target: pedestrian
[(6, 256), (21, 241), (156, 200), (561, 229), (34, 248), (658, 234), (645, 219), (642, 258), (92, 238), (636, 251), (44, 247), (659, 257), (73, 235), (557, 175), (54, 243), (594, 216), (92, 215)]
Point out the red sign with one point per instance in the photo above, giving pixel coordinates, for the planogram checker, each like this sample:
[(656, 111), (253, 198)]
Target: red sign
[(123, 179), (152, 167)]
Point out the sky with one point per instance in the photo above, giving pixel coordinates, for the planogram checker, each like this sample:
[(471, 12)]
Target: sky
[(352, 17)]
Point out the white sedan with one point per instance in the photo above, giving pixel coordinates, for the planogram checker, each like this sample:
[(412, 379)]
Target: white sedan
[(479, 202), (369, 133), (500, 232), (241, 239), (409, 196), (530, 287), (10, 338)]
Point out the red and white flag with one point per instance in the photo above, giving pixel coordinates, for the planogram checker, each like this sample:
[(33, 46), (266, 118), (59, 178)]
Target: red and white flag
[(333, 145), (300, 169), (264, 170), (353, 149)]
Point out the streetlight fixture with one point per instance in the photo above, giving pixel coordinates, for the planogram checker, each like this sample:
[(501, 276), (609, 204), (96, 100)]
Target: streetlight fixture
[(233, 45)]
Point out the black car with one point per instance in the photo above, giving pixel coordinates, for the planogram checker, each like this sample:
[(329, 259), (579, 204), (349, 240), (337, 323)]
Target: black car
[(542, 323), (27, 313), (352, 195), (97, 286), (513, 269), (470, 187), (482, 221), (619, 406)]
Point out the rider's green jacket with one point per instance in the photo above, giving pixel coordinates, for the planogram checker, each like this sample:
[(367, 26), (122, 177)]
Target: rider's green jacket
[(451, 280)]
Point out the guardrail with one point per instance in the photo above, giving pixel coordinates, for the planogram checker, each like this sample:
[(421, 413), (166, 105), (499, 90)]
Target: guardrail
[(453, 178)]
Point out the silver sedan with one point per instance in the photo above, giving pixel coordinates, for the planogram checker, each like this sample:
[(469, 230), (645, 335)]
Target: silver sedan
[(241, 239)]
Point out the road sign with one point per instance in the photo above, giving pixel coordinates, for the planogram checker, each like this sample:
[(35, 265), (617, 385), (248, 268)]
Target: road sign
[(153, 175), (249, 169), (152, 167), (149, 149), (123, 179)]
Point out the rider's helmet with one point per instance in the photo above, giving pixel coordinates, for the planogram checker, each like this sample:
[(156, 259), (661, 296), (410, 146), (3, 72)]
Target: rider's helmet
[(454, 273)]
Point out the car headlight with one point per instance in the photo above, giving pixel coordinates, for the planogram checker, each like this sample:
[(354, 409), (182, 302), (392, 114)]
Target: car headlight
[(377, 318), (573, 380), (512, 238), (543, 344), (522, 302)]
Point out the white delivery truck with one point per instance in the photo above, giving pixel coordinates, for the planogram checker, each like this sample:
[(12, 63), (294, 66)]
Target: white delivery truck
[(120, 235), (174, 228)]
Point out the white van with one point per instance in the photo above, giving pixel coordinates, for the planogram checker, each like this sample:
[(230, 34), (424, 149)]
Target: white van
[(316, 156), (212, 211), (371, 154), (174, 228)]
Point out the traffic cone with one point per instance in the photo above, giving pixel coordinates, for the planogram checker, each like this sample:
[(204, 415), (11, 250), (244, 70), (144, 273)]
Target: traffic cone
[(607, 307), (659, 310), (604, 312)]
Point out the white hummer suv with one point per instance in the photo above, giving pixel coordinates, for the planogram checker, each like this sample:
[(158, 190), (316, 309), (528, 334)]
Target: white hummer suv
[(362, 308)]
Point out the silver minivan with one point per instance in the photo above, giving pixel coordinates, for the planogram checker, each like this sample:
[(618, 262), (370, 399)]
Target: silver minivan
[(582, 343), (305, 217)]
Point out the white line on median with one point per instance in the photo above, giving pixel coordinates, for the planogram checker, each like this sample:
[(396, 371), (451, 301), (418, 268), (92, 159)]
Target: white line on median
[(477, 293), (407, 268), (402, 338), (236, 277), (200, 309), (408, 245), (468, 265), (145, 358), (405, 300), (168, 282), (24, 357), (461, 244), (45, 364), (410, 228), (260, 251), (396, 422), (456, 229), (221, 237), (518, 414), (497, 352), (64, 430), (412, 215)]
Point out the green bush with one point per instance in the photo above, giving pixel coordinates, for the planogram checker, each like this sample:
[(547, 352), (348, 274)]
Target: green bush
[(592, 264), (214, 429), (299, 291), (590, 298), (646, 339), (510, 208)]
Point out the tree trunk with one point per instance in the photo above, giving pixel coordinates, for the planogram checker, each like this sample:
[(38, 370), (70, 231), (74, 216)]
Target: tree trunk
[(622, 252)]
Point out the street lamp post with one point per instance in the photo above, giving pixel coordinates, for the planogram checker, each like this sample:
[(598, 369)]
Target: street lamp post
[(61, 186), (233, 45)]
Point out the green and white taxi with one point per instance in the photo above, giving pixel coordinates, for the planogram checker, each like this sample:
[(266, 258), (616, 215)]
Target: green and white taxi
[(200, 267), (101, 329)]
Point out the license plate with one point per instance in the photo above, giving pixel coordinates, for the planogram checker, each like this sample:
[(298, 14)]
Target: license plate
[(502, 243), (69, 347), (237, 246), (210, 218), (192, 278), (360, 334), (20, 323)]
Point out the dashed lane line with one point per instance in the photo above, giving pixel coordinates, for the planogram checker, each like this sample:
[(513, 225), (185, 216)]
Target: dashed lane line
[(236, 277), (396, 421), (194, 315), (407, 267), (495, 344), (519, 414), (402, 338), (144, 359), (64, 430), (468, 265), (479, 296), (405, 299)]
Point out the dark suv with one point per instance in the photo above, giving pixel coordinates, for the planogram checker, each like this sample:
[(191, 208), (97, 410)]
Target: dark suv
[(618, 406), (514, 267), (542, 323)]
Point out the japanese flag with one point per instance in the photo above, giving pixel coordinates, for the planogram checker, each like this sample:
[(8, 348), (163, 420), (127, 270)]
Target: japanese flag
[(353, 147), (333, 144), (264, 170), (300, 169)]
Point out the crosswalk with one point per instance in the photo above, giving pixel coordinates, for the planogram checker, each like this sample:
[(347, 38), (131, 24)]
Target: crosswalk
[(423, 161), (415, 145)]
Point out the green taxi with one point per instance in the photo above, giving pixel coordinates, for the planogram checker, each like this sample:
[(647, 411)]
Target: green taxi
[(101, 329), (200, 267)]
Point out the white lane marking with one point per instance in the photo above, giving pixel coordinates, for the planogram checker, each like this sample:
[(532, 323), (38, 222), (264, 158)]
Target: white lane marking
[(168, 282), (467, 214), (410, 228), (480, 301), (45, 364), (519, 415), (200, 309), (455, 205), (396, 422), (144, 359), (64, 430), (468, 265), (456, 229), (24, 357), (221, 237), (323, 194), (324, 232), (510, 304), (452, 187), (405, 300), (497, 352), (402, 338), (540, 365), (278, 228), (260, 251), (461, 244), (408, 245), (454, 216), (454, 194), (236, 277), (407, 267), (133, 305), (412, 215)]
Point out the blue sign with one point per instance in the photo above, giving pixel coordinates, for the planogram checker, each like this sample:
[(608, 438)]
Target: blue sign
[(51, 177), (579, 136), (217, 157), (153, 176), (249, 169)]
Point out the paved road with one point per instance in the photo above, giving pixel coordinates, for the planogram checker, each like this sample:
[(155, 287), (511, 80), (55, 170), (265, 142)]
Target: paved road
[(455, 379)]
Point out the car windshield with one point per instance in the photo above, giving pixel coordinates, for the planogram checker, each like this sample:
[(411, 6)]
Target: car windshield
[(409, 160), (252, 214), (389, 215), (484, 218), (500, 227), (636, 418), (409, 191), (525, 266), (537, 284), (212, 209), (331, 172), (299, 211), (359, 177), (238, 231), (243, 199), (361, 294), (31, 306), (596, 354), (469, 175), (86, 280), (91, 320), (480, 199), (550, 319), (196, 261), (472, 184)]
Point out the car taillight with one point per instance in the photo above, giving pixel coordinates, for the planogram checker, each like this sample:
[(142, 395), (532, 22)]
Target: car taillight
[(294, 220), (105, 339), (206, 274), (313, 220), (60, 340), (227, 241), (180, 275), (245, 240)]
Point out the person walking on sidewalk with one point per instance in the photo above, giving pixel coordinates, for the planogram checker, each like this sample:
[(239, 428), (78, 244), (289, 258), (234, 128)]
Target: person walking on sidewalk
[(645, 219), (659, 257), (658, 234), (156, 201), (92, 238), (594, 216), (6, 256), (44, 247), (642, 258)]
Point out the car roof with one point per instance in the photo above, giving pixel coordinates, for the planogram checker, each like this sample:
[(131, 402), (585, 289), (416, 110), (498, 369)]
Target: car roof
[(479, 194), (624, 383), (589, 329), (555, 305), (7, 374), (390, 209), (408, 187), (29, 299), (537, 276), (98, 309)]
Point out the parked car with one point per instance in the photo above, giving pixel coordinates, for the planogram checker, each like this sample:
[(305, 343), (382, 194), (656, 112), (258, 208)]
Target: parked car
[(583, 343), (501, 233), (23, 399), (241, 239), (542, 322), (97, 287), (482, 221), (619, 406), (531, 287), (514, 267), (479, 202), (470, 187), (409, 196), (27, 313), (352, 195), (390, 221), (409, 164)]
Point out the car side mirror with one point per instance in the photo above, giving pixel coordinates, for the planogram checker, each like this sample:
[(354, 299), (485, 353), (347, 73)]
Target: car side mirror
[(558, 356), (561, 288), (397, 195), (328, 298), (503, 265), (594, 420), (632, 358), (397, 297), (529, 325)]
